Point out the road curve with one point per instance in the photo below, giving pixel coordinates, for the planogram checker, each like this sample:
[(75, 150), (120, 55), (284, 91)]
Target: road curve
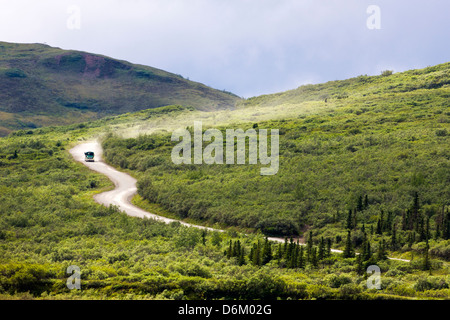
[(125, 185), (125, 189)]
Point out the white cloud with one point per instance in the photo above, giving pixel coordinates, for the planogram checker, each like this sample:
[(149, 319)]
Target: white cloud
[(246, 46)]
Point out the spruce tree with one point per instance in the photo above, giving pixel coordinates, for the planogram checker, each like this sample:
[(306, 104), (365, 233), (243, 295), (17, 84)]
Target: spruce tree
[(380, 223), (349, 224), (404, 221), (381, 253), (285, 246), (258, 254), (309, 246), (301, 261), (328, 252), (367, 250), (359, 265), (388, 223), (236, 249), (446, 226), (437, 234), (267, 252), (416, 205), (289, 251), (409, 220), (321, 253), (241, 259), (255, 254), (204, 237), (252, 254), (426, 258), (421, 229), (230, 249), (348, 250), (294, 257), (359, 205), (279, 253)]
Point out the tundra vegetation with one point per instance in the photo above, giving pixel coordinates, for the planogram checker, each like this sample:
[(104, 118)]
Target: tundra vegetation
[(364, 167)]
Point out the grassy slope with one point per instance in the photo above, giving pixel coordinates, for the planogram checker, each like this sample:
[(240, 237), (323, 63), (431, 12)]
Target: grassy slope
[(42, 85), (386, 137), (49, 221)]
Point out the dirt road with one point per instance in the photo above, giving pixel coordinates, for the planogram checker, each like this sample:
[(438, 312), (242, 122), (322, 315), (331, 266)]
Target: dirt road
[(126, 189), (125, 184)]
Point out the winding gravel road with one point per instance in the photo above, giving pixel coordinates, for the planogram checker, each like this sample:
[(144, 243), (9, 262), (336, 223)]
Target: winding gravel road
[(125, 185), (126, 188)]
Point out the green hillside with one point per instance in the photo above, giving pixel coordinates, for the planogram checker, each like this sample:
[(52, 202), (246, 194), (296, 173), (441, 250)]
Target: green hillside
[(361, 88), (367, 170), (367, 154), (41, 85)]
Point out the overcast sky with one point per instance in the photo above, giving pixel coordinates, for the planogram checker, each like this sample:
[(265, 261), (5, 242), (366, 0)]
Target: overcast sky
[(249, 47)]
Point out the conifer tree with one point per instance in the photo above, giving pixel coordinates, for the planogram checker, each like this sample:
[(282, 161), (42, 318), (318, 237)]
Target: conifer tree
[(416, 205), (380, 223), (388, 223), (446, 226), (328, 252), (255, 254), (204, 237), (285, 245), (367, 250), (267, 252), (309, 246), (349, 224), (404, 221), (301, 261), (359, 205), (258, 254), (294, 257), (359, 264), (421, 229), (279, 253), (366, 201), (411, 238), (289, 251), (381, 253), (236, 249), (426, 258), (348, 250), (252, 254), (321, 253), (409, 220), (241, 259), (230, 250)]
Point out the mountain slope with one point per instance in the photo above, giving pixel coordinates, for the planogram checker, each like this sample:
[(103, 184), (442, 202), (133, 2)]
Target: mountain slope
[(359, 88), (41, 85), (376, 141)]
